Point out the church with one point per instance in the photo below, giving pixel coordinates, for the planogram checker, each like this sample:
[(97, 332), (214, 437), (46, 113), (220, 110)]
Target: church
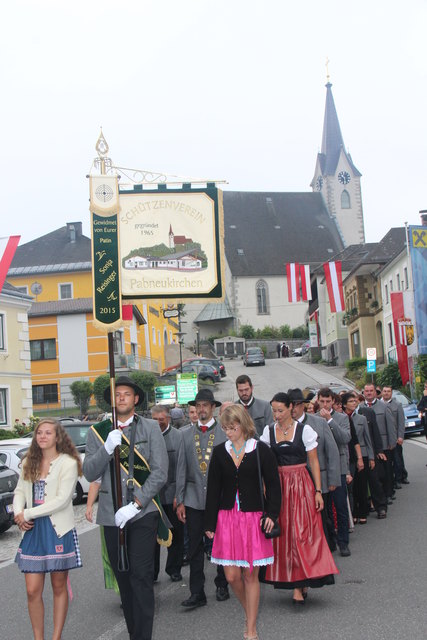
[(263, 231)]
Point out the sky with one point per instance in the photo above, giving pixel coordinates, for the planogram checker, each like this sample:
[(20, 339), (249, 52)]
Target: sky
[(227, 90)]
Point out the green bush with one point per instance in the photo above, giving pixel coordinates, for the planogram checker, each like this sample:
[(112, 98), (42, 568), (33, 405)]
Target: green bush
[(82, 391), (268, 332), (355, 363), (144, 379), (300, 332), (247, 331), (390, 375), (285, 331)]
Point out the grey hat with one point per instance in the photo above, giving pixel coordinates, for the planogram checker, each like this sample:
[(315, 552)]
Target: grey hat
[(205, 395), (124, 381)]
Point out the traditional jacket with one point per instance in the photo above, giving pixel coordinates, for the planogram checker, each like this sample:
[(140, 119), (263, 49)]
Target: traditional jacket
[(327, 452), (260, 412)]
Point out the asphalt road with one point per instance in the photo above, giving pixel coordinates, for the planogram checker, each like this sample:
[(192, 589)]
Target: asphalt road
[(380, 592)]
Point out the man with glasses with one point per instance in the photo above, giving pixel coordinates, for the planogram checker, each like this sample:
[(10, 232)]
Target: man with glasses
[(194, 455)]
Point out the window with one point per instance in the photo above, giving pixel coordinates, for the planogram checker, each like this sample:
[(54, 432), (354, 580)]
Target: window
[(386, 293), (65, 291), (165, 336), (405, 276), (390, 334), (345, 200), (159, 340), (262, 297), (355, 344), (398, 281), (2, 333), (43, 349), (3, 406), (153, 333), (118, 346), (391, 286), (45, 393)]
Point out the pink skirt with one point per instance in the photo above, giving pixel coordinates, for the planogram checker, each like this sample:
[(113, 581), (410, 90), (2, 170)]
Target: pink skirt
[(239, 540)]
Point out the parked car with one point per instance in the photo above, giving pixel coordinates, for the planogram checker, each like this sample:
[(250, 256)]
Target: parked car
[(12, 452), (253, 356), (204, 371), (8, 482), (217, 364), (78, 434), (412, 419)]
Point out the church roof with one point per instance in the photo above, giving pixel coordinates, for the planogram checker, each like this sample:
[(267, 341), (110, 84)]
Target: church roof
[(266, 230), (332, 140), (65, 249), (215, 311)]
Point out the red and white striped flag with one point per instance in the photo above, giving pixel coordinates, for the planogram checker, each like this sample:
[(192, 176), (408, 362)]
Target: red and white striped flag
[(333, 275), (7, 251), (305, 281), (403, 339), (292, 273)]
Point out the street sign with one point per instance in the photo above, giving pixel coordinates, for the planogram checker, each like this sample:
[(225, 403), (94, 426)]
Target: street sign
[(186, 384), (165, 394), (371, 353), (170, 313), (371, 366)]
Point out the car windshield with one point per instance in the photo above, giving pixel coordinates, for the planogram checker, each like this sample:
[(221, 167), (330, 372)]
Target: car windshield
[(402, 399), (22, 452), (77, 433), (254, 351)]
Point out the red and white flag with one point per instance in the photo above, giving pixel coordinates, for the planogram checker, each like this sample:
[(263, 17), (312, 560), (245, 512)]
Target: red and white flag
[(403, 338), (292, 273), (333, 275), (7, 251), (305, 281)]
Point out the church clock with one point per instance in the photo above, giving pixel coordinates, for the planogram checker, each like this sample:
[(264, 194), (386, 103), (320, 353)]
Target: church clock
[(344, 177)]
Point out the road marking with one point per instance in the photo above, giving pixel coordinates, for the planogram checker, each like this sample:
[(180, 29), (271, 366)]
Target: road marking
[(114, 632)]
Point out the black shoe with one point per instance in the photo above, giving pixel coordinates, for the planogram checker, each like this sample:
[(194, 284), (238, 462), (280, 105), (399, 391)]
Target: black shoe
[(345, 551), (389, 501), (405, 481), (155, 578), (371, 509), (195, 600), (185, 560), (298, 602), (397, 485), (382, 513), (175, 577), (222, 594)]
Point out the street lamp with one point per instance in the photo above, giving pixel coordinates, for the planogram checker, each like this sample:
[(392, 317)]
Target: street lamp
[(180, 342), (198, 342)]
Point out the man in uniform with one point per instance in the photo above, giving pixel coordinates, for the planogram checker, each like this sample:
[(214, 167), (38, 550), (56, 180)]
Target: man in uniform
[(140, 514), (327, 452), (194, 456), (400, 473), (259, 410), (172, 437), (340, 427)]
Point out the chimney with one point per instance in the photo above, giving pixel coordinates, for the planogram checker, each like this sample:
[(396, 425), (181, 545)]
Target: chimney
[(423, 215), (74, 230)]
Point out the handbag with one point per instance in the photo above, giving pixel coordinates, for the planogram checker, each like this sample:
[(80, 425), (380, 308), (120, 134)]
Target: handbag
[(275, 532)]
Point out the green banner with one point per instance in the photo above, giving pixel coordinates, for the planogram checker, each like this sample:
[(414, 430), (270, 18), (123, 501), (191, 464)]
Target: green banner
[(186, 384), (105, 270), (165, 394)]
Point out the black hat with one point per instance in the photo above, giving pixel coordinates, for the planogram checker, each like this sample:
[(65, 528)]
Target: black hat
[(124, 381), (205, 394), (296, 396)]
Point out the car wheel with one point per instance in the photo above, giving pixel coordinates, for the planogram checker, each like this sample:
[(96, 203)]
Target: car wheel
[(79, 494), (5, 526)]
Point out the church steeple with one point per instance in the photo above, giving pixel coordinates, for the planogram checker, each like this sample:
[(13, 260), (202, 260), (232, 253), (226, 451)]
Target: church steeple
[(337, 178)]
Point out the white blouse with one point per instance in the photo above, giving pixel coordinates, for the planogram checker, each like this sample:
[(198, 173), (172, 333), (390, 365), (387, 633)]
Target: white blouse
[(309, 436), (250, 445)]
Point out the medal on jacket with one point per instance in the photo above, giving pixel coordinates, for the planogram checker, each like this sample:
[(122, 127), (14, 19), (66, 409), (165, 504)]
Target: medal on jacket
[(204, 459)]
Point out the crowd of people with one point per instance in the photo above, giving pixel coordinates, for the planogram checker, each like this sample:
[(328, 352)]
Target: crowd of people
[(268, 490)]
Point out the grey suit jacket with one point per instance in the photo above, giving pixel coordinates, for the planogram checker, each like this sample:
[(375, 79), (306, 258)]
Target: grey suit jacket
[(363, 435), (327, 452), (150, 444), (172, 440), (340, 427), (191, 483), (386, 423), (399, 416), (261, 413)]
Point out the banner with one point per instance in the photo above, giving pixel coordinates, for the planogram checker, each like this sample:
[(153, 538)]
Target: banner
[(305, 282), (398, 312), (107, 304), (292, 275), (7, 251), (418, 253), (171, 244), (334, 284), (104, 194)]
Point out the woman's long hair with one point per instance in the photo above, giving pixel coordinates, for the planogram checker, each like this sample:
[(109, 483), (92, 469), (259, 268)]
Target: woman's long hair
[(64, 444)]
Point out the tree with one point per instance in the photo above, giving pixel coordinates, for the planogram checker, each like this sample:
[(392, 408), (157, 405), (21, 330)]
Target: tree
[(82, 391), (144, 379), (300, 332), (247, 331), (285, 331)]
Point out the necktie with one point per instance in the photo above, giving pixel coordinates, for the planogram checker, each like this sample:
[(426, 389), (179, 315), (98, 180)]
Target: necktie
[(203, 428), (369, 404)]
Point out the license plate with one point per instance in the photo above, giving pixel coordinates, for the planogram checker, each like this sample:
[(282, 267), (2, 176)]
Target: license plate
[(410, 424), (9, 508)]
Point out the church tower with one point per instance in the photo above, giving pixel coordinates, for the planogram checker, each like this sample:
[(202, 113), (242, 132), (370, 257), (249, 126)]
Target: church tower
[(171, 238), (337, 179)]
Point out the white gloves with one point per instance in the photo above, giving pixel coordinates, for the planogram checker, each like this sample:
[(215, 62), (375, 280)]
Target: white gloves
[(126, 513), (114, 440)]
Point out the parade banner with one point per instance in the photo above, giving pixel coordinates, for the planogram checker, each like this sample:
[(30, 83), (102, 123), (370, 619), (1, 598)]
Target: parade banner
[(107, 306), (292, 276), (418, 253), (333, 274), (172, 244), (398, 311)]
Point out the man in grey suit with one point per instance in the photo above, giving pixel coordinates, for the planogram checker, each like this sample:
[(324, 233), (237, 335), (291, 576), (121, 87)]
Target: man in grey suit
[(400, 473), (259, 410), (140, 515), (327, 452), (172, 437), (195, 452), (387, 428), (339, 425)]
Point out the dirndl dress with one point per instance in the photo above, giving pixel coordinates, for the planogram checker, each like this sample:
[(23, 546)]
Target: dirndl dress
[(41, 550), (239, 540)]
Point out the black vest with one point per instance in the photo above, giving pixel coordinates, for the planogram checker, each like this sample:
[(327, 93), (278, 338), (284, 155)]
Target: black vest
[(289, 453)]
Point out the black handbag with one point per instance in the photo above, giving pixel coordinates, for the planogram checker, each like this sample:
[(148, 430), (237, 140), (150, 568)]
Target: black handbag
[(275, 532)]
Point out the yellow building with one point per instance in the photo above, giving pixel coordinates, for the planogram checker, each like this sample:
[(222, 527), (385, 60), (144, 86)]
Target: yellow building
[(65, 346), (15, 366)]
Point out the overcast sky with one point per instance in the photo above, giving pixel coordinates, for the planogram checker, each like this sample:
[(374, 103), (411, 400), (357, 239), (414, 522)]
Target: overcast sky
[(224, 89)]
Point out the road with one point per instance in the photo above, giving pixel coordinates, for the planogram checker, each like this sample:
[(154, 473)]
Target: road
[(380, 592)]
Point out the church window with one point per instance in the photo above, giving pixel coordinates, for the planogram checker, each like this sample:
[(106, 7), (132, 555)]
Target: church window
[(262, 297), (345, 200)]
